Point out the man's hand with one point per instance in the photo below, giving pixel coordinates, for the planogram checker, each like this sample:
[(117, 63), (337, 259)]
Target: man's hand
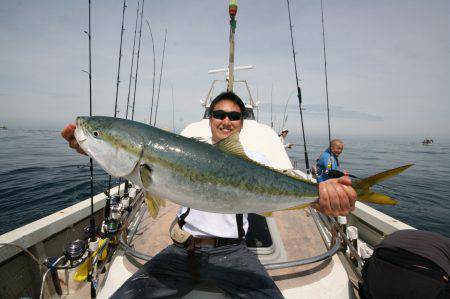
[(336, 197), (69, 134)]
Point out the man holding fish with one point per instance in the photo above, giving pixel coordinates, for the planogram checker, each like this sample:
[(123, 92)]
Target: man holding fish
[(210, 227)]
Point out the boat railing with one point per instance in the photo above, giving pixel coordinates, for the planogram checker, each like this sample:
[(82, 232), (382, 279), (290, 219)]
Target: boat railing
[(209, 96)]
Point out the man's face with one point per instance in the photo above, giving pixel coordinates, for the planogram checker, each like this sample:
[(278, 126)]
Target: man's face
[(337, 149), (221, 129)]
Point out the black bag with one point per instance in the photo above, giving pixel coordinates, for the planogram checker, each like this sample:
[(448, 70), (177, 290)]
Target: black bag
[(408, 264)]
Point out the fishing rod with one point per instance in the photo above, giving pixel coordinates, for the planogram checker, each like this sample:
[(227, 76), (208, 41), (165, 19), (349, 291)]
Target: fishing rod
[(91, 164), (285, 114), (132, 61), (137, 61), (125, 191), (299, 93), (173, 113), (92, 229), (120, 57), (154, 71), (108, 199), (160, 76), (271, 114), (326, 74)]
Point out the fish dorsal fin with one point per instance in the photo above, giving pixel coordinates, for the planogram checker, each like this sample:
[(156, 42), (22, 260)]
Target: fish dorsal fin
[(232, 145)]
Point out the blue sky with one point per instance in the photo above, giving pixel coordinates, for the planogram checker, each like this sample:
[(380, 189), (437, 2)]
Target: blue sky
[(388, 62)]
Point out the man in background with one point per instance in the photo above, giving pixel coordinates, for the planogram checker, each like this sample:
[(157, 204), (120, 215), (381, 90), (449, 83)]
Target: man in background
[(328, 162), (283, 136)]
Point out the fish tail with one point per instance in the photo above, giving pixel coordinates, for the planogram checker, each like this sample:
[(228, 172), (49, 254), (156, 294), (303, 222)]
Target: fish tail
[(362, 187)]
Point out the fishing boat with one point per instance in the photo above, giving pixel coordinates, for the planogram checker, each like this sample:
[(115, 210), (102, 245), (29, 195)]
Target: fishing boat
[(3, 128), (309, 255), (427, 141)]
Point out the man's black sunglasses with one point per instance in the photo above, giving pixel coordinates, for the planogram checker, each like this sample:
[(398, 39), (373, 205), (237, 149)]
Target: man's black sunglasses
[(220, 114)]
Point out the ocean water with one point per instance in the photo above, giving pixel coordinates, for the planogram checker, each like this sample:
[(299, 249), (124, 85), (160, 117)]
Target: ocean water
[(422, 191), (40, 174)]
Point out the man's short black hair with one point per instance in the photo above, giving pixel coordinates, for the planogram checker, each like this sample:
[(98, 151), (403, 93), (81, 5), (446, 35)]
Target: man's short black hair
[(228, 95)]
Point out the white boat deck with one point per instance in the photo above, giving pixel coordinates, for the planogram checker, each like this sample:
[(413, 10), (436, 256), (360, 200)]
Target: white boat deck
[(295, 236)]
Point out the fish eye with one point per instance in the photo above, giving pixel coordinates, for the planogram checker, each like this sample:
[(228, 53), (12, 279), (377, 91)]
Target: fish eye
[(96, 133)]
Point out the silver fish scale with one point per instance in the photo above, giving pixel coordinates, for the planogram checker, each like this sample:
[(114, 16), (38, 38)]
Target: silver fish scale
[(197, 174), (200, 176)]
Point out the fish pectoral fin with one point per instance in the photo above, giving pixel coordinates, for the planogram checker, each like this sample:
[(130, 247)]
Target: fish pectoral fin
[(145, 173), (154, 204), (377, 198), (232, 145)]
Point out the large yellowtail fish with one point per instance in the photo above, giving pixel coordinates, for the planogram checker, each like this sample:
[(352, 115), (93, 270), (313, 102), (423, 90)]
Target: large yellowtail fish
[(214, 178)]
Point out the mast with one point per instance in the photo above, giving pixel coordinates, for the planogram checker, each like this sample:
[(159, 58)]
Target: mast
[(232, 9)]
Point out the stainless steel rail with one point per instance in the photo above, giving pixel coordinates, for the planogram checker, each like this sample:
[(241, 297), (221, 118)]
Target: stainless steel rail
[(269, 266), (321, 257), (130, 251)]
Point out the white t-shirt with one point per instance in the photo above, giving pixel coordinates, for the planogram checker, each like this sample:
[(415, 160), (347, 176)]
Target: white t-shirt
[(283, 141), (206, 224)]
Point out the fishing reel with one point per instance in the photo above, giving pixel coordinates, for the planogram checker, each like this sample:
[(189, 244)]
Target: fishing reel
[(115, 210), (110, 228), (74, 252)]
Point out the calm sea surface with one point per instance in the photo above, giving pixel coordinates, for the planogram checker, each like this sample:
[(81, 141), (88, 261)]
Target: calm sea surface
[(40, 175)]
